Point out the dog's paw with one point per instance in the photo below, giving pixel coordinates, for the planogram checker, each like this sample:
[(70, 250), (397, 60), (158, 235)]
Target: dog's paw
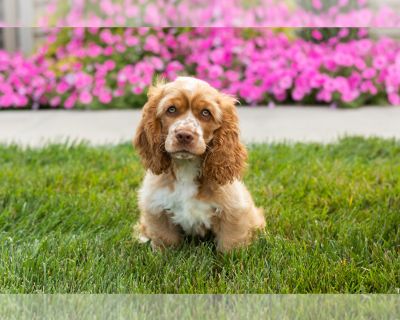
[(143, 239), (138, 235)]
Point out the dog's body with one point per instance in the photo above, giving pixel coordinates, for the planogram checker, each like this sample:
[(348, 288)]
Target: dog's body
[(189, 142)]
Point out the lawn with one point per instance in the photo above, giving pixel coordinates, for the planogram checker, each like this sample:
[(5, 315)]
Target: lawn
[(333, 216)]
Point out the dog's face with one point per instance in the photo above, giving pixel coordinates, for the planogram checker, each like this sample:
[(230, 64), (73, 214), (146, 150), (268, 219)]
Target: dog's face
[(189, 114), (187, 118)]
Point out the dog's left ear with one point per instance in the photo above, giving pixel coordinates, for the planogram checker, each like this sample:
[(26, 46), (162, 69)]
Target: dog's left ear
[(226, 158)]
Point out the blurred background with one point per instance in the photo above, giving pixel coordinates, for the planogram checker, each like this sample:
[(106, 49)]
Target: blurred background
[(33, 13), (105, 54), (26, 38)]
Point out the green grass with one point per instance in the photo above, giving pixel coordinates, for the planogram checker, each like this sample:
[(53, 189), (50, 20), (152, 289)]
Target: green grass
[(333, 216)]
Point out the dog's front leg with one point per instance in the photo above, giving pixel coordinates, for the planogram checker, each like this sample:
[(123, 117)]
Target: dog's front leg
[(160, 230)]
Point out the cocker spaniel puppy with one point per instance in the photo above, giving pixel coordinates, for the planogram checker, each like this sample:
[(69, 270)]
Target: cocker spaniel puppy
[(188, 140)]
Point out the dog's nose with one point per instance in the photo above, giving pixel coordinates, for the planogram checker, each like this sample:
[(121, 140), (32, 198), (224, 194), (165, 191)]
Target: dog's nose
[(184, 137)]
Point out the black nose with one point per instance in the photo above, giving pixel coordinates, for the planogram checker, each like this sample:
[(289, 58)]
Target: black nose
[(184, 137)]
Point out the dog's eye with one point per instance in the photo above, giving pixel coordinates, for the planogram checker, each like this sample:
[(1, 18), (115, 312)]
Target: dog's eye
[(171, 109), (205, 113)]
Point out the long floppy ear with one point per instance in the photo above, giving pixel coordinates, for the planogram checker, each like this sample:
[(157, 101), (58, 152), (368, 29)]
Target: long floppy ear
[(226, 157), (149, 140)]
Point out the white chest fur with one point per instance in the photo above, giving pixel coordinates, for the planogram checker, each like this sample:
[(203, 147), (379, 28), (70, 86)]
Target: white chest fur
[(180, 202)]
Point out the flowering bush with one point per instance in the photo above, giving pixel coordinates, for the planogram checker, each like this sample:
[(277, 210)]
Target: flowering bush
[(227, 13), (24, 82), (100, 66), (104, 67)]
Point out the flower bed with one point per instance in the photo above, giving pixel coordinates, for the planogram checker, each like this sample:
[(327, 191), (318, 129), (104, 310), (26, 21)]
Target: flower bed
[(227, 13), (101, 67)]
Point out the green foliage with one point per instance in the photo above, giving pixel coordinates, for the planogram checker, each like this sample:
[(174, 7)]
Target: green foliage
[(329, 34), (332, 211)]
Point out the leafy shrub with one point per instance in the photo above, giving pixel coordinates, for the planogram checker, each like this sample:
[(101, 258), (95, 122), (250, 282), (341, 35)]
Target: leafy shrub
[(103, 67)]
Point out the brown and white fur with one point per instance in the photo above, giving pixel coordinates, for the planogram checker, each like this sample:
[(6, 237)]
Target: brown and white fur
[(188, 140)]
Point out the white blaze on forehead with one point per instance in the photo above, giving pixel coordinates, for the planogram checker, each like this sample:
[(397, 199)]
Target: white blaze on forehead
[(190, 84), (189, 122)]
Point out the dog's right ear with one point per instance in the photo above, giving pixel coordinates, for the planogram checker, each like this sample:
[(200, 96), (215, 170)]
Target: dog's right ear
[(149, 140), (226, 158)]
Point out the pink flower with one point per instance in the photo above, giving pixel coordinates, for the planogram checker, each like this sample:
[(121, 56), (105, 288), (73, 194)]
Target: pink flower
[(85, 97), (343, 32), (369, 73), (62, 87), (317, 4), (172, 69), (83, 80), (360, 64), (137, 90), (152, 44), (220, 56), (368, 86), (152, 14), (131, 41), (215, 71), (350, 95), (324, 96), (105, 97), (379, 62), (330, 85), (317, 35), (70, 102), (20, 100), (354, 80), (394, 98), (120, 48), (55, 101), (157, 63), (107, 37), (285, 82), (132, 11), (232, 75), (110, 65), (297, 95), (94, 50), (108, 51)]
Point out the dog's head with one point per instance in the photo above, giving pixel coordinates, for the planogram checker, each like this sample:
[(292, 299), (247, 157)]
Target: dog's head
[(185, 119)]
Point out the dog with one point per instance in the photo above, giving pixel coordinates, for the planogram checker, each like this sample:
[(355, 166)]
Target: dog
[(188, 141)]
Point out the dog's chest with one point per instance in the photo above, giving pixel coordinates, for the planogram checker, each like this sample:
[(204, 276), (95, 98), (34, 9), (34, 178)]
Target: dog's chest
[(192, 214)]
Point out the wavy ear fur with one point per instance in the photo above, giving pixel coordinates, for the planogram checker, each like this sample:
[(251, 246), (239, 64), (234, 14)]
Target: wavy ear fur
[(226, 159), (149, 140)]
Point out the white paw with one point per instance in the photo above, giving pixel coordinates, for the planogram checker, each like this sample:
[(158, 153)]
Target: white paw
[(143, 239)]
